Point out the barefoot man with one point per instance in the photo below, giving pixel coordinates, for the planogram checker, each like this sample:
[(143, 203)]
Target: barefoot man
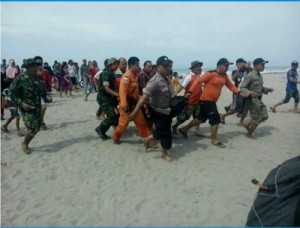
[(26, 92), (252, 87)]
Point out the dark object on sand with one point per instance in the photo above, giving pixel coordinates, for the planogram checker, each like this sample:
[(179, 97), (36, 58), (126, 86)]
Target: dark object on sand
[(277, 201)]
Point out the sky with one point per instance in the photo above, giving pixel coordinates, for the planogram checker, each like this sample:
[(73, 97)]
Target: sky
[(183, 31)]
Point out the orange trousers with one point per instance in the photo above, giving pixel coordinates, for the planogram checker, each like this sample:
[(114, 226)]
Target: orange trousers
[(139, 122)]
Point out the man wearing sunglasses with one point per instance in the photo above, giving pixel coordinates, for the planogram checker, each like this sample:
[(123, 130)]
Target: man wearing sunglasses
[(252, 87)]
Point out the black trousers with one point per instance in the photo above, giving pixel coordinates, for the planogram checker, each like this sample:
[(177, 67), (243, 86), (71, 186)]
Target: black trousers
[(162, 122)]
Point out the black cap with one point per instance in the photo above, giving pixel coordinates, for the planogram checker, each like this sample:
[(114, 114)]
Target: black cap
[(240, 60), (163, 60), (294, 63), (259, 61), (223, 61), (196, 63)]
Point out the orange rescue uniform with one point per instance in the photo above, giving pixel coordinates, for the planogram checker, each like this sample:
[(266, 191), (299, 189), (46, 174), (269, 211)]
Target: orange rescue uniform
[(213, 84), (129, 96)]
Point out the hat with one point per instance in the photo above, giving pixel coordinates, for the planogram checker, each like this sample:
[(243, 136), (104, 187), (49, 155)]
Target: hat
[(112, 61), (28, 62), (294, 63), (224, 61), (195, 63), (259, 61), (163, 60), (240, 60)]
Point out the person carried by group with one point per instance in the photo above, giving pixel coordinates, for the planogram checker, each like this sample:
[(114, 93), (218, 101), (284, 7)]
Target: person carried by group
[(26, 92), (237, 104), (160, 92), (291, 88), (193, 108)]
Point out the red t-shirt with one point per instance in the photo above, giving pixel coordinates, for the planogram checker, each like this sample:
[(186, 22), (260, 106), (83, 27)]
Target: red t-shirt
[(46, 78)]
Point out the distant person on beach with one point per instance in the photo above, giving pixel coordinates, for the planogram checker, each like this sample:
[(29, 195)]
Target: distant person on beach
[(93, 69), (107, 98), (144, 76), (175, 82), (153, 71), (193, 108), (252, 87), (12, 71), (213, 83), (26, 93), (129, 97), (84, 73), (291, 88), (160, 92), (120, 71), (47, 80), (237, 104), (72, 74), (65, 81), (4, 85)]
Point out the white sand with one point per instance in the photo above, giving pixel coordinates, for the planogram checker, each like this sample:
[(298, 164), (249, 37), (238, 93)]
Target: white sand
[(73, 178)]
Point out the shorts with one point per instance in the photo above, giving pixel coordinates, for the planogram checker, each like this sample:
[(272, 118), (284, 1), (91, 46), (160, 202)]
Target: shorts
[(209, 110), (14, 113), (291, 94), (73, 80)]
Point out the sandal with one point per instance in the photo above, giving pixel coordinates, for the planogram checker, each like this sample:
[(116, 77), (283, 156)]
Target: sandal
[(4, 130), (222, 119), (219, 144), (273, 109)]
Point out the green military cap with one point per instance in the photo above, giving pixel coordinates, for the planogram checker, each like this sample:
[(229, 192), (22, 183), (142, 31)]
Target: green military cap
[(28, 62), (112, 61)]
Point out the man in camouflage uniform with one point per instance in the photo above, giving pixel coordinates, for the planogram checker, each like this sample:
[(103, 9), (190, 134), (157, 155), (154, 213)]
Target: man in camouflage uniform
[(252, 87), (26, 92), (108, 98)]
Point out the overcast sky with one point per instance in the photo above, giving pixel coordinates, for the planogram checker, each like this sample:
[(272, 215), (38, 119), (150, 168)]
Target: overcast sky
[(184, 31)]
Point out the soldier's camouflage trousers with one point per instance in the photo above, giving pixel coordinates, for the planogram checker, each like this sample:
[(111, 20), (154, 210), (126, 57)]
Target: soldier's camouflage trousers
[(32, 121)]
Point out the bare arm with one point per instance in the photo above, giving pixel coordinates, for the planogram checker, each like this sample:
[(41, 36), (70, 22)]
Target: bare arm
[(138, 106), (110, 91)]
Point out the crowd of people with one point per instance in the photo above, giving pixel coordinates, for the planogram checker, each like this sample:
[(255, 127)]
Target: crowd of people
[(148, 96)]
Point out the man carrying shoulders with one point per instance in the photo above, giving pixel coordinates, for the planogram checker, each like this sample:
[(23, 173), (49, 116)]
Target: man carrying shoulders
[(213, 83), (252, 87), (107, 98)]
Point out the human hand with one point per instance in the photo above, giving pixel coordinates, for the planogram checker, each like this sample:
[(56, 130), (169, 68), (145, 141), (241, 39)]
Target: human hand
[(27, 107), (254, 94), (271, 90), (131, 116)]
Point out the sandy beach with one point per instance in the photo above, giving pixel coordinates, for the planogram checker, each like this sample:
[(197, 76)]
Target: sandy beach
[(73, 178)]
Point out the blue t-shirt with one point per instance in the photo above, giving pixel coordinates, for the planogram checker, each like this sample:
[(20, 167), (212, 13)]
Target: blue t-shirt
[(291, 85)]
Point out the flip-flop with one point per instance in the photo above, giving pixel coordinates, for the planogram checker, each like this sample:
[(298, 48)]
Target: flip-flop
[(219, 144), (4, 130), (222, 119), (273, 109), (184, 134)]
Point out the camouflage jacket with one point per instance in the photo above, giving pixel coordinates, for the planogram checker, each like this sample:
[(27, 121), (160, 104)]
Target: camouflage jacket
[(107, 77), (27, 89)]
